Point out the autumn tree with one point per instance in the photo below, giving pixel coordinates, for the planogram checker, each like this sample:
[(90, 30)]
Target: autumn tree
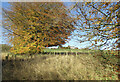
[(34, 26), (98, 23)]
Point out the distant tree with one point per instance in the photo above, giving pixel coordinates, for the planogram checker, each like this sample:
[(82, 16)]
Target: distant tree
[(86, 48), (60, 46), (68, 47), (34, 26), (76, 48)]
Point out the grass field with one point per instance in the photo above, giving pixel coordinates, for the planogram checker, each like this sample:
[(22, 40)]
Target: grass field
[(62, 67)]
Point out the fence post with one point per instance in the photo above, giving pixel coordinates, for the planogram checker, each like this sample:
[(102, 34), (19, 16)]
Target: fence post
[(66, 53), (76, 53), (15, 56), (49, 53), (7, 57)]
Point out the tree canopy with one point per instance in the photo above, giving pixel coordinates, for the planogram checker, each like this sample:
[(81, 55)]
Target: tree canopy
[(34, 26), (98, 23)]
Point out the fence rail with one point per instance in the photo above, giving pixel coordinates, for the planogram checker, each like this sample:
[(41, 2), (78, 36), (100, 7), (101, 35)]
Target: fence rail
[(8, 56), (64, 53)]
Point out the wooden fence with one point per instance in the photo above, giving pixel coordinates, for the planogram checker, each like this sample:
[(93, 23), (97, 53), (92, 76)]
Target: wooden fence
[(7, 57), (63, 53)]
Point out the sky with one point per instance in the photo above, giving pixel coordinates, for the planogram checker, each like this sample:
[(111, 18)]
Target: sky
[(0, 22), (2, 41)]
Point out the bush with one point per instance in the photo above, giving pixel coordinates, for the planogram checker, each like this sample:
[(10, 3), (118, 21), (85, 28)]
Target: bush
[(5, 47)]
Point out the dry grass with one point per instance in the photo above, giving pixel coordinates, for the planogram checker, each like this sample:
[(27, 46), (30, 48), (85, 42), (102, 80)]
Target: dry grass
[(4, 54), (57, 67)]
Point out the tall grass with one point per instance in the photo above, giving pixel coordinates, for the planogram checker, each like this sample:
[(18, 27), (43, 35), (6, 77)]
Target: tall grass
[(59, 67)]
